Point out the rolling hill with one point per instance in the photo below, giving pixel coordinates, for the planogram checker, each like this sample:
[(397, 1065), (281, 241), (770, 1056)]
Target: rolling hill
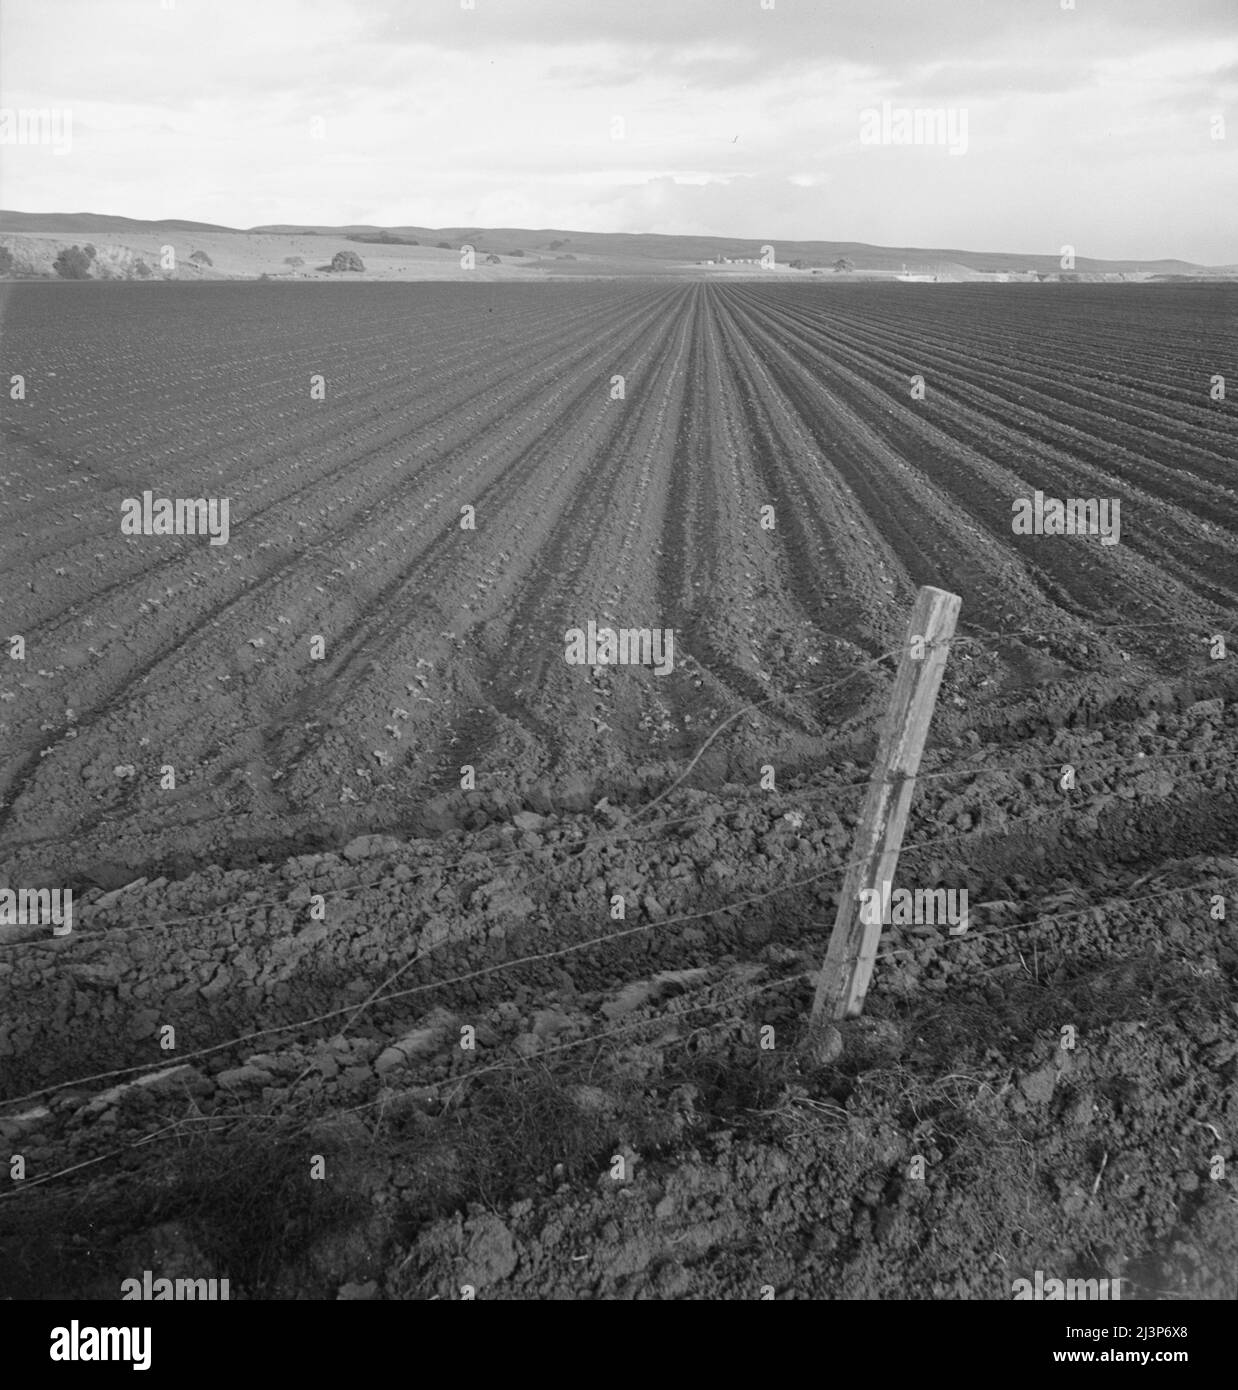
[(419, 252)]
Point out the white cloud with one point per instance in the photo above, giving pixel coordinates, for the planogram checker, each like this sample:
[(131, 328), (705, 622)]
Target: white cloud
[(736, 120)]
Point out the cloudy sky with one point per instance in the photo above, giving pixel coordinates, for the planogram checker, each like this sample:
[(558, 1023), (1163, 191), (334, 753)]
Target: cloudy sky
[(1094, 126)]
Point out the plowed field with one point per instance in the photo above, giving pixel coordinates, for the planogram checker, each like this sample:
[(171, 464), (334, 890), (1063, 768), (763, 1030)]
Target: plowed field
[(765, 483), (444, 646)]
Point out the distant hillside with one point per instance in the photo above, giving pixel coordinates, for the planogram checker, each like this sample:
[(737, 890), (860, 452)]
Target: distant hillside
[(81, 222), (632, 249), (654, 246)]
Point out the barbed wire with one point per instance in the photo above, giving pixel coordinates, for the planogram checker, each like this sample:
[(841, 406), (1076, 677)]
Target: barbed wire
[(631, 1026), (675, 1009), (1082, 765), (837, 685), (220, 912), (824, 688), (605, 839), (494, 968), (669, 1015), (1109, 905), (960, 638), (376, 997), (1001, 634)]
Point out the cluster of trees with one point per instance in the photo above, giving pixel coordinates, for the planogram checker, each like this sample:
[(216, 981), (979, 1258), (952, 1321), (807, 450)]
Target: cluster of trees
[(347, 260), (840, 265), (385, 238), (75, 262), (6, 261), (81, 263)]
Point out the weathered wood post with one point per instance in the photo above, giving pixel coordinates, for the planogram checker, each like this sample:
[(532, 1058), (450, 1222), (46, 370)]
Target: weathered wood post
[(852, 951)]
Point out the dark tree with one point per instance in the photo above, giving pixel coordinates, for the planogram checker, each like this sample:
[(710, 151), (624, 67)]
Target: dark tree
[(73, 263)]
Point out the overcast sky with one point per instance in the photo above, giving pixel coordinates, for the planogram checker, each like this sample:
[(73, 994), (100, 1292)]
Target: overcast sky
[(1093, 126)]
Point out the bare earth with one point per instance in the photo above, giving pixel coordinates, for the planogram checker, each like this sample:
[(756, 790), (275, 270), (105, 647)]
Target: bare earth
[(491, 909)]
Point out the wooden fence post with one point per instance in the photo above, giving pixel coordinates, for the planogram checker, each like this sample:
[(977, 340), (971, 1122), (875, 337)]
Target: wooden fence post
[(852, 951)]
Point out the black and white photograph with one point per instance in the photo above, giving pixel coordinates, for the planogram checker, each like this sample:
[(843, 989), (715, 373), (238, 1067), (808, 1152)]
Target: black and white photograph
[(618, 662)]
